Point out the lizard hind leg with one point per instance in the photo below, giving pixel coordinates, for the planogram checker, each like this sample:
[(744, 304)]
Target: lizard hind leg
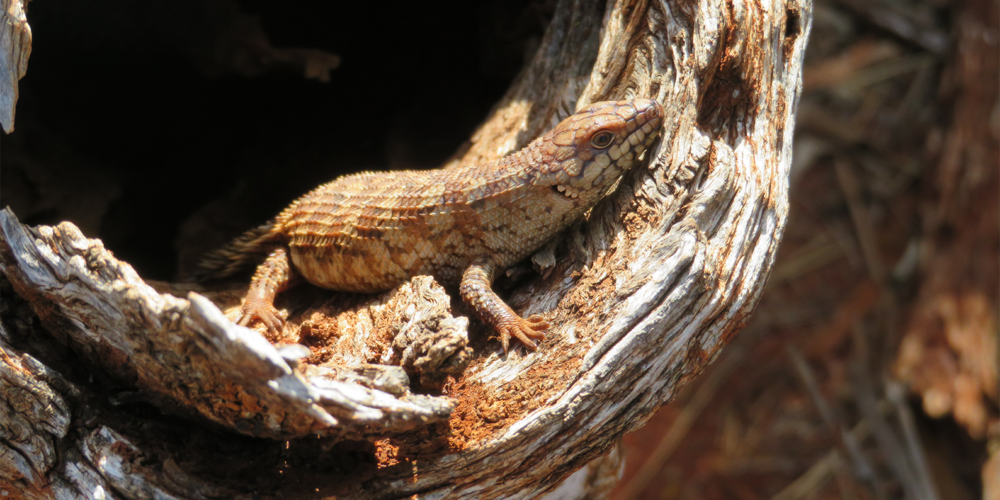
[(477, 292), (273, 276)]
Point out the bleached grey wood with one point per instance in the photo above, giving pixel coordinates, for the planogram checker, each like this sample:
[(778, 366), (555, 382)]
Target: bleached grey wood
[(15, 47)]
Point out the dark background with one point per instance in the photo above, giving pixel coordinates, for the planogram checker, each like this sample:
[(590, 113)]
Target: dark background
[(129, 126)]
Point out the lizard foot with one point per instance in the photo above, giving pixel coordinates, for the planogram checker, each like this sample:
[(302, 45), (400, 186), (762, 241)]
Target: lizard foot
[(262, 310), (524, 330)]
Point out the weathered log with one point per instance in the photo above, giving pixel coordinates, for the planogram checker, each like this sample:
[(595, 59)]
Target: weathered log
[(644, 294)]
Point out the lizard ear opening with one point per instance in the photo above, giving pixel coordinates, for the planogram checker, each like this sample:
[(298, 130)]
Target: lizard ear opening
[(565, 191)]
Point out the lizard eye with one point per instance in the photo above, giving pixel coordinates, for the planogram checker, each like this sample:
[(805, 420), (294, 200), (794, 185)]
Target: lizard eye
[(602, 139)]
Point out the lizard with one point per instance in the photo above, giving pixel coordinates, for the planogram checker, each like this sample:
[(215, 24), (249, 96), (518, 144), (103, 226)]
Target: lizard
[(371, 231)]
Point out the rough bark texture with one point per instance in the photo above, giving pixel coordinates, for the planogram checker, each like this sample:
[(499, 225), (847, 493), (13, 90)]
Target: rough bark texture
[(644, 293), (15, 47)]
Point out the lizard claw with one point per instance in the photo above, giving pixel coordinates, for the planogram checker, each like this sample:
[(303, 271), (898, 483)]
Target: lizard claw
[(524, 330), (266, 313)]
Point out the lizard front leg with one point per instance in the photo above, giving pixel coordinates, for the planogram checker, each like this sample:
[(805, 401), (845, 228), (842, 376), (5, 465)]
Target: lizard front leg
[(273, 276), (477, 292)]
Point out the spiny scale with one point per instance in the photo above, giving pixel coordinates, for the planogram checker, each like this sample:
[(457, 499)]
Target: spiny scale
[(369, 232)]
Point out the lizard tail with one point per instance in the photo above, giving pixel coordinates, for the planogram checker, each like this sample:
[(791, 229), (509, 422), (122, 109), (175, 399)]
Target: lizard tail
[(248, 249)]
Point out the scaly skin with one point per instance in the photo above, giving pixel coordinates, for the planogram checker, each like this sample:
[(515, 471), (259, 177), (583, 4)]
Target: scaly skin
[(369, 232)]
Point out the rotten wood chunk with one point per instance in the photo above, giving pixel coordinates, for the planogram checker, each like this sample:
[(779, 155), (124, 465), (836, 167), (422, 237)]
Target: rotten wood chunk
[(410, 326)]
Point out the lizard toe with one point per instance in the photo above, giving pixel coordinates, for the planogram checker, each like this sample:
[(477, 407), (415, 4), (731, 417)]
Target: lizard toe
[(266, 313), (526, 330), (534, 326)]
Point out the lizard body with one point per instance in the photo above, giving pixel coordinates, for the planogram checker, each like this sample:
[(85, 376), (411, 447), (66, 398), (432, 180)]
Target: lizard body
[(369, 232)]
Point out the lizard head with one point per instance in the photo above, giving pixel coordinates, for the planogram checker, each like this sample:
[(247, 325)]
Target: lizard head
[(591, 149)]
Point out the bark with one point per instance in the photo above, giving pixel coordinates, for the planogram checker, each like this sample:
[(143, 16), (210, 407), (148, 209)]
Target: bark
[(150, 390), (15, 47)]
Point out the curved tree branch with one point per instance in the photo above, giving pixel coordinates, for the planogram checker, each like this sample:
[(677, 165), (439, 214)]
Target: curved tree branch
[(643, 294)]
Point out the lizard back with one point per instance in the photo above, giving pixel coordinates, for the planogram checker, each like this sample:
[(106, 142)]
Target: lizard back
[(371, 231), (368, 232)]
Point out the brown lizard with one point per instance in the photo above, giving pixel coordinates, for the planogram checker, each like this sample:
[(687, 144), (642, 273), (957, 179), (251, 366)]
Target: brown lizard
[(368, 232)]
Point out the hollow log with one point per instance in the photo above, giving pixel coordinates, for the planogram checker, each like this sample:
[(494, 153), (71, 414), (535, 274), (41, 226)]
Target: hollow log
[(115, 387)]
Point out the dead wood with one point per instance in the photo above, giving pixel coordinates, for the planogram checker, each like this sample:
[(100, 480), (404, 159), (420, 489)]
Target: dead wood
[(15, 47), (644, 294)]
